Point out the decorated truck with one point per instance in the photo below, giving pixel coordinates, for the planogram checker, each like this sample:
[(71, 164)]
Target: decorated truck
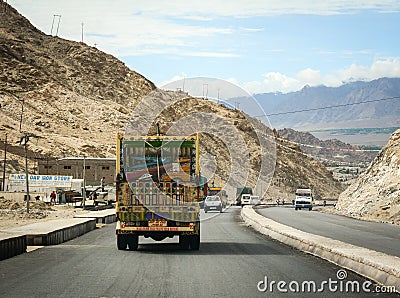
[(158, 189), (215, 189)]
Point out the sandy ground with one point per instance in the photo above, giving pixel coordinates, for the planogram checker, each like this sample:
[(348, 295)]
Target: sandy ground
[(13, 214)]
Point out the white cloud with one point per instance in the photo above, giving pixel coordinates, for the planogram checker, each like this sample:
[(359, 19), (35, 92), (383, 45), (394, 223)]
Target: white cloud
[(211, 54), (229, 8), (389, 67), (136, 27), (122, 28), (275, 81)]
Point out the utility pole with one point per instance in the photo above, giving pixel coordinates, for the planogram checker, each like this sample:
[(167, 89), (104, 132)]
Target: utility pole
[(237, 104), (82, 31), (4, 166), (84, 182), (205, 85), (24, 142), (58, 25), (22, 113)]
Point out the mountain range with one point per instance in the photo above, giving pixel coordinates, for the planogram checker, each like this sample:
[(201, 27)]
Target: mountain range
[(316, 103)]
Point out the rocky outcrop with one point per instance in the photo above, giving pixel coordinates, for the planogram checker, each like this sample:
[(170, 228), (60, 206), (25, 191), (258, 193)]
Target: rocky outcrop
[(375, 195)]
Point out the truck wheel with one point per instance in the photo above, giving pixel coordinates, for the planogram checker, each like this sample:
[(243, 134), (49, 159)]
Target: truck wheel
[(195, 242), (184, 241), (133, 242), (121, 242), (295, 208)]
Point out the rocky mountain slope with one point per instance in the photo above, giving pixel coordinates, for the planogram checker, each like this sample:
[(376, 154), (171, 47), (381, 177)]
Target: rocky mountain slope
[(374, 114), (376, 193), (329, 152), (286, 167), (73, 99)]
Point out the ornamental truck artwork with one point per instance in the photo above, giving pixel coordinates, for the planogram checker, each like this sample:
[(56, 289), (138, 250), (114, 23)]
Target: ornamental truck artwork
[(158, 190)]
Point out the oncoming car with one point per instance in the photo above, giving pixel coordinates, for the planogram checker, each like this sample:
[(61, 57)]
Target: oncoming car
[(212, 203)]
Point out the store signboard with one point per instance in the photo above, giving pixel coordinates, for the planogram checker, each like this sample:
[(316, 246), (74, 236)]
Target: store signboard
[(40, 180)]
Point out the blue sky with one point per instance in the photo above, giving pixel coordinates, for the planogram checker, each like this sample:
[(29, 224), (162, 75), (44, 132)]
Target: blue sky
[(263, 46)]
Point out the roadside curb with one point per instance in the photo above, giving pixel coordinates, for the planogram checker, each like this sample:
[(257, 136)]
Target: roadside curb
[(380, 267), (14, 241)]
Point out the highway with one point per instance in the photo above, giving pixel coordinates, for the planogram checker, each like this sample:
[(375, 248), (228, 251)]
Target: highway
[(377, 236), (231, 262)]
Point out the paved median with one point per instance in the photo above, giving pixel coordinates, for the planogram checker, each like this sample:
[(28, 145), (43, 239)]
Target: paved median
[(14, 241), (380, 267)]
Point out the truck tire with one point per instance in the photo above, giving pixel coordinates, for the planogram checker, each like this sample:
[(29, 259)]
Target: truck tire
[(195, 242), (295, 208), (133, 242), (184, 241), (121, 242)]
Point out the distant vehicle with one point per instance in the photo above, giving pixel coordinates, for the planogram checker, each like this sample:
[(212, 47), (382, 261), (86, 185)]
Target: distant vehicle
[(254, 200), (212, 203), (214, 190), (304, 199), (245, 200), (241, 191)]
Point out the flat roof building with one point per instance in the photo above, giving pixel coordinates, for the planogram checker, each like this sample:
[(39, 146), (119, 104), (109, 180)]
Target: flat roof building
[(95, 168)]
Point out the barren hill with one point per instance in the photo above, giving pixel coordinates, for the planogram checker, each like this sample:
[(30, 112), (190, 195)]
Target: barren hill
[(71, 96), (376, 193), (73, 99)]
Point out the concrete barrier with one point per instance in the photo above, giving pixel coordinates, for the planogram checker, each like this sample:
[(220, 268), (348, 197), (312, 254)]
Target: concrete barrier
[(103, 216), (14, 241), (380, 267), (55, 231), (11, 245)]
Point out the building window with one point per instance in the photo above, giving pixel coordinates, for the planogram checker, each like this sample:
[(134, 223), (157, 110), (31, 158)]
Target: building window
[(67, 167), (105, 167), (47, 167), (87, 167)]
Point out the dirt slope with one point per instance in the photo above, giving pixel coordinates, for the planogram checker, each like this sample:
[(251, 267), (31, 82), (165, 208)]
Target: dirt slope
[(375, 195)]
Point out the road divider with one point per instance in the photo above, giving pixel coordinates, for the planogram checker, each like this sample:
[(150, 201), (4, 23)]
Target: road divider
[(14, 241), (377, 266), (55, 231)]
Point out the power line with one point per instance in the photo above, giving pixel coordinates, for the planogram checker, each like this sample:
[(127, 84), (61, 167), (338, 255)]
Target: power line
[(329, 107)]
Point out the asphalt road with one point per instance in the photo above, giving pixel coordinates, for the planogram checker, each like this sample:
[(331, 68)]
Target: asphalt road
[(231, 261), (373, 235)]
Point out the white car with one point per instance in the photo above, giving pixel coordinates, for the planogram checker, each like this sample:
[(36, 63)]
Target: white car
[(212, 203)]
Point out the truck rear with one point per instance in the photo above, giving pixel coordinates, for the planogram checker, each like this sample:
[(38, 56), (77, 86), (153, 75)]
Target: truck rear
[(158, 190), (216, 190)]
